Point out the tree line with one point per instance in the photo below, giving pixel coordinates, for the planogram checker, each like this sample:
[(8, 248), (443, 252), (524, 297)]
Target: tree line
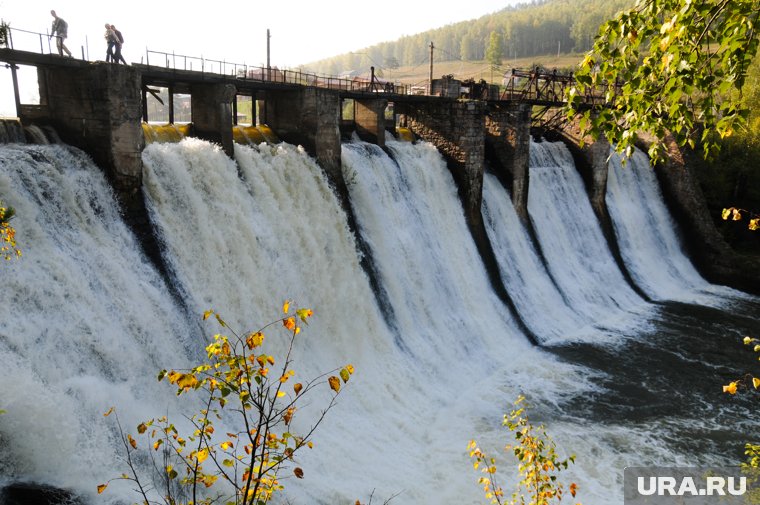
[(529, 29)]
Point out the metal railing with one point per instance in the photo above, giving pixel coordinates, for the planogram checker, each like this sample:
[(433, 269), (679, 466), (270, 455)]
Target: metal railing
[(30, 38), (276, 75), (535, 85), (30, 41)]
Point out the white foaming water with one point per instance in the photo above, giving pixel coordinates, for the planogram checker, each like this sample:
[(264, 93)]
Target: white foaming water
[(90, 324), (647, 238), (240, 242), (572, 242), (409, 213), (532, 289), (86, 323)]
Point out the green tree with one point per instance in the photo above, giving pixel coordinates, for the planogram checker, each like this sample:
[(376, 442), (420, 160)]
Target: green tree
[(495, 50), (467, 48), (669, 66), (391, 62)]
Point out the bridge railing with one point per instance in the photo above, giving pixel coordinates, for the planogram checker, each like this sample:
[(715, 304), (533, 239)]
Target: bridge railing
[(26, 40), (271, 74), (535, 85)]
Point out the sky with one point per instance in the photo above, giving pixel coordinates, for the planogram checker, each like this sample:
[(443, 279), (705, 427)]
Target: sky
[(302, 31)]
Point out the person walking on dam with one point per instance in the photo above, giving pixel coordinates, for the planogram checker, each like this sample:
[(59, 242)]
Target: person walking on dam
[(111, 40), (117, 57), (59, 30)]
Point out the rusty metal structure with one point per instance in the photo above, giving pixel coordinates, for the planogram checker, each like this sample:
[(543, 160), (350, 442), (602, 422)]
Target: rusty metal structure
[(548, 88)]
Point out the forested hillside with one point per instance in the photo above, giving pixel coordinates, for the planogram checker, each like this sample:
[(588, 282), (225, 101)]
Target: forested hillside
[(530, 29)]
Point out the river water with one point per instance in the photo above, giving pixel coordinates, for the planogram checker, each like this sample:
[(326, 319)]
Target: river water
[(618, 379)]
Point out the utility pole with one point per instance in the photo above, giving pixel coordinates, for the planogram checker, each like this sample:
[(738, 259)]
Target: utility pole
[(269, 68), (430, 85)]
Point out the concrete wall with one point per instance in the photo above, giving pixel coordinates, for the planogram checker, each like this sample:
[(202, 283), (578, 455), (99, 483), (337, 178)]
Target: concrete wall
[(369, 118), (211, 106), (98, 109), (457, 129), (309, 117), (508, 149)]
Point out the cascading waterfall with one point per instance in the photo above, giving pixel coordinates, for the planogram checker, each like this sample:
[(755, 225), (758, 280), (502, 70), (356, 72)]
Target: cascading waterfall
[(647, 238), (87, 322), (525, 276), (576, 252)]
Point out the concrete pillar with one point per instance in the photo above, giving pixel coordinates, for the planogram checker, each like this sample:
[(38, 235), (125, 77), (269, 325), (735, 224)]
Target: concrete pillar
[(508, 148), (369, 117), (98, 108), (599, 153), (310, 117), (457, 129), (211, 106)]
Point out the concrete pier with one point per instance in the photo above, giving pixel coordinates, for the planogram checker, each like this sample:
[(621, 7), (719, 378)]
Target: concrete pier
[(457, 129), (508, 148)]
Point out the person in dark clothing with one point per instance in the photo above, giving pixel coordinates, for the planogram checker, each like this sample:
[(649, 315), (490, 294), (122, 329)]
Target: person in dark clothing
[(60, 31), (117, 57), (111, 40)]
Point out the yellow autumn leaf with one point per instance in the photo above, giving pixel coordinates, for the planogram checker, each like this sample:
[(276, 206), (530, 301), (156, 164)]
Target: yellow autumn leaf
[(187, 381), (207, 313), (731, 388), (754, 224), (202, 455), (226, 445), (102, 487), (344, 375), (726, 213), (254, 340), (334, 383), (756, 382), (737, 216), (286, 306), (132, 441), (288, 415), (350, 369), (297, 388), (289, 323), (280, 394), (747, 340), (304, 314), (111, 409)]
